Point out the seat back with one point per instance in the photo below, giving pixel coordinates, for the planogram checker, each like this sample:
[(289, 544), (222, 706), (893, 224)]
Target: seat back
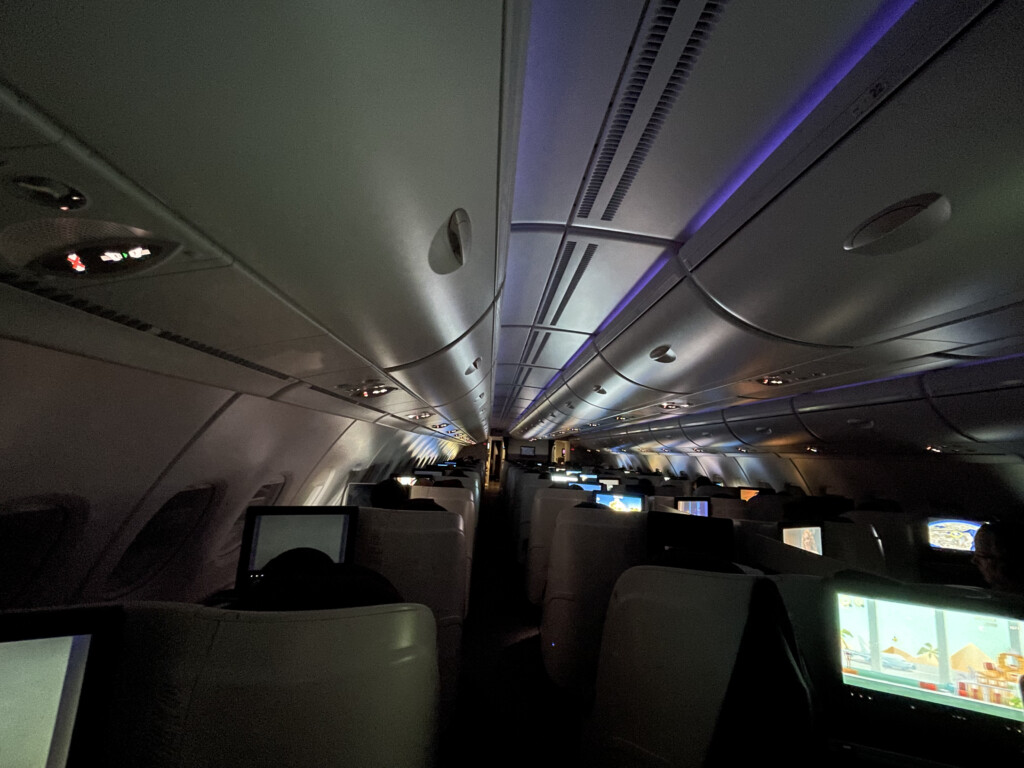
[(547, 503), (590, 549), (423, 554), (856, 544), (696, 668), (460, 501), (207, 686)]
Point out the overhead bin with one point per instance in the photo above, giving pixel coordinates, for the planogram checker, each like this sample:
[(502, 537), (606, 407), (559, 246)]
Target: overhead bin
[(446, 376), (787, 271), (982, 401), (770, 424), (681, 345), (599, 384), (709, 431)]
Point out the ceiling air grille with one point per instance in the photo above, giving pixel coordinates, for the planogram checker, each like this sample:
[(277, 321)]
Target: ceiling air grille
[(588, 255), (34, 287), (656, 32), (680, 74)]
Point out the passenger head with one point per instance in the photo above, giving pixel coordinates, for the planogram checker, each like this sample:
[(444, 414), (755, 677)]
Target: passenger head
[(701, 480), (999, 555), (306, 579), (388, 494)]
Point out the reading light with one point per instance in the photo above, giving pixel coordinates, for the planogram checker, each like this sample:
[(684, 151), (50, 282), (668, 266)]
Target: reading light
[(439, 426), (811, 449), (592, 424), (933, 449), (377, 390), (418, 416), (620, 418), (670, 406), (772, 381), (47, 192)]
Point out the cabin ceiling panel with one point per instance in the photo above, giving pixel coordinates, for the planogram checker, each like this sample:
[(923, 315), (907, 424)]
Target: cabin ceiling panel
[(976, 331), (910, 425), (787, 271), (530, 257), (709, 350), (576, 51), (553, 348), (752, 65), (600, 274), (511, 343), (400, 120)]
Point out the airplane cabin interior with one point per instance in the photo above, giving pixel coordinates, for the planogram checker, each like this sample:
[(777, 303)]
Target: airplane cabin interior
[(512, 382)]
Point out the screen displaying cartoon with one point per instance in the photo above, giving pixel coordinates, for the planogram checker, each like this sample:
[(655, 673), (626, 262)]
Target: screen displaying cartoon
[(808, 539), (40, 685), (269, 531), (620, 502), (698, 507), (957, 535), (746, 494), (963, 659)]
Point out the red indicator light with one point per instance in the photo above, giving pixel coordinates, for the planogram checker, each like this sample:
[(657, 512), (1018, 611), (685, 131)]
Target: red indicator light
[(75, 262)]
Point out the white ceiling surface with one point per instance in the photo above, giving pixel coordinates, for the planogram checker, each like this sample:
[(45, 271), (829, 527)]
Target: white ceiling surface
[(584, 73), (780, 295)]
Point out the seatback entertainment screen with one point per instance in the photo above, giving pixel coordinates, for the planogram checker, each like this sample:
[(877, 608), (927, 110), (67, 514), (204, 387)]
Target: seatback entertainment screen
[(957, 658), (952, 534), (620, 502)]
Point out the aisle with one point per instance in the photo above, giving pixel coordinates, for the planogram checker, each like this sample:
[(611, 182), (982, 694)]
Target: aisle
[(508, 712)]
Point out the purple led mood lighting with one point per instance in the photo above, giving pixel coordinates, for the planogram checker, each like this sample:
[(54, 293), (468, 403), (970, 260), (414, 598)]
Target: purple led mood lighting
[(864, 41)]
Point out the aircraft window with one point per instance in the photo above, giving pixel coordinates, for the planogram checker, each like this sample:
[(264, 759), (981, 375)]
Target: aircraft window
[(32, 529), (162, 536)]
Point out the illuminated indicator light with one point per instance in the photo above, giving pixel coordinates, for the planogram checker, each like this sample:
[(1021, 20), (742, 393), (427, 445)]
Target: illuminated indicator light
[(113, 256), (772, 381), (670, 406), (64, 208), (138, 253), (811, 449), (933, 449), (620, 418), (76, 262)]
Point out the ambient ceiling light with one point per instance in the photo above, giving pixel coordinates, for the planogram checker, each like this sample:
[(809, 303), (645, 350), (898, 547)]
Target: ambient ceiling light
[(900, 226), (663, 354)]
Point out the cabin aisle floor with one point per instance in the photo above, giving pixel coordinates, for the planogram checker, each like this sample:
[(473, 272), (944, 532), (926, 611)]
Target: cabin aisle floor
[(508, 711)]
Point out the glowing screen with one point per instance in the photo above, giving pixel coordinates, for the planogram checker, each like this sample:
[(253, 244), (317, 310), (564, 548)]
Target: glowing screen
[(609, 482), (958, 658), (275, 533), (620, 503), (40, 683), (689, 507), (807, 539), (952, 534), (589, 486)]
